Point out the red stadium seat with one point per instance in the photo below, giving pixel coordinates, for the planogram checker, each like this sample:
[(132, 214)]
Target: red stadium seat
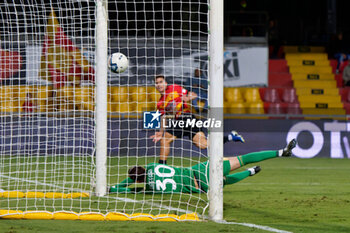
[(347, 97), (347, 107), (293, 109), (343, 92), (275, 108), (271, 95), (289, 95)]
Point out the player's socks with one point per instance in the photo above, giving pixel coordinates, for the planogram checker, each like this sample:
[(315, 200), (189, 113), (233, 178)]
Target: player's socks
[(269, 154), (236, 177), (257, 157), (162, 161)]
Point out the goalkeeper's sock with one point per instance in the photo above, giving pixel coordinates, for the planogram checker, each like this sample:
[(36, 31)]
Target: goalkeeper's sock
[(256, 157), (236, 177)]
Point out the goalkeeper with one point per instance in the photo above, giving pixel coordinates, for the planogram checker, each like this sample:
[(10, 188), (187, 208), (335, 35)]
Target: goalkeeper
[(161, 178)]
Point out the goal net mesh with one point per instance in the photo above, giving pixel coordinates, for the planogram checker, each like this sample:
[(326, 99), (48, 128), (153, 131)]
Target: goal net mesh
[(47, 101)]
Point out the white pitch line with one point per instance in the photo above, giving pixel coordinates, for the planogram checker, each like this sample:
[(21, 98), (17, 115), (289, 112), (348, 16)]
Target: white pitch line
[(117, 198), (266, 228), (40, 183), (260, 227), (156, 205)]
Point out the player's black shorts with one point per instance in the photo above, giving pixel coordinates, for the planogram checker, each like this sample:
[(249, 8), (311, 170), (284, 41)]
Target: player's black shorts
[(187, 130)]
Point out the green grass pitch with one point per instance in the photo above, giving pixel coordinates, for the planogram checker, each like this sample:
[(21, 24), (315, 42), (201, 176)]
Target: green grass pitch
[(290, 194)]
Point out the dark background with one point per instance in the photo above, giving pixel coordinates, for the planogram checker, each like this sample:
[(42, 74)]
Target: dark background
[(298, 22)]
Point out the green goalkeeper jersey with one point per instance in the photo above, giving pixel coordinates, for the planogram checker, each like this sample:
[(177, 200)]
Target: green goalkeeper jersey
[(161, 178)]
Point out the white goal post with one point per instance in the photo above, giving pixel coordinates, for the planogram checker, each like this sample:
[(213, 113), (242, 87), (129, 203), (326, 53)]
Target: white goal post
[(70, 128), (216, 100)]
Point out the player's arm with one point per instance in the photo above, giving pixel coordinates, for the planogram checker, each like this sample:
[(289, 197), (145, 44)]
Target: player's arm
[(159, 134), (122, 187), (190, 96)]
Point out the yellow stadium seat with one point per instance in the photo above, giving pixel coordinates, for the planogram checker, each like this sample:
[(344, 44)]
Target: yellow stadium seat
[(306, 56), (8, 106), (138, 107), (138, 94), (6, 93), (44, 98), (64, 100), (317, 91), (123, 108), (152, 105), (319, 98), (310, 69), (233, 95), (256, 108), (236, 108), (301, 76), (111, 107), (308, 62), (252, 95), (303, 49), (315, 84), (85, 98), (152, 94), (119, 94)]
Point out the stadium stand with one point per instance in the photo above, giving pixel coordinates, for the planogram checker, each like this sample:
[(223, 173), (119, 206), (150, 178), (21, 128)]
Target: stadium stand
[(312, 74), (303, 83)]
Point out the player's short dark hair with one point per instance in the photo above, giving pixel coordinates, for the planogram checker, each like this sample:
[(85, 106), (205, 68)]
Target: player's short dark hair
[(160, 76), (137, 173)]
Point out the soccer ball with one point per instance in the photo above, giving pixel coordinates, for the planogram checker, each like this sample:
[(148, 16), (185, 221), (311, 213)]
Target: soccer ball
[(118, 62)]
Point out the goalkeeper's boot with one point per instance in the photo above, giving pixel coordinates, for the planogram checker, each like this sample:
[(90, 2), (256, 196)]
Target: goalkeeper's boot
[(254, 170), (234, 136), (287, 152)]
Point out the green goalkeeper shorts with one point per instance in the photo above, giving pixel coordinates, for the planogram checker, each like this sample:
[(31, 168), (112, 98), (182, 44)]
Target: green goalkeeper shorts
[(201, 172)]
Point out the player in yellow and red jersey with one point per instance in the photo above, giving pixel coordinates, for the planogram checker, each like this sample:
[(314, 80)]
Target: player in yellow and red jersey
[(173, 103)]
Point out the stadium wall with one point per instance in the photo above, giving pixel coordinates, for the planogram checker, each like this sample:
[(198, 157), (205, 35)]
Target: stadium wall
[(50, 136)]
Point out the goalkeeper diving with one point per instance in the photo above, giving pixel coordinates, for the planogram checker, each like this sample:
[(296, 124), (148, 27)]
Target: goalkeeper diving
[(161, 178)]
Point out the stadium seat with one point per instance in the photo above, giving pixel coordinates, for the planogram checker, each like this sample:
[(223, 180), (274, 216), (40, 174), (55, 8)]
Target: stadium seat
[(310, 69), (64, 99), (289, 95), (233, 95), (44, 95), (347, 107), (319, 84), (344, 92), (138, 94), (275, 108), (111, 107), (256, 108), (271, 95), (252, 95), (119, 94), (348, 97), (138, 107), (293, 109), (306, 56), (152, 94), (84, 98), (123, 108), (236, 108)]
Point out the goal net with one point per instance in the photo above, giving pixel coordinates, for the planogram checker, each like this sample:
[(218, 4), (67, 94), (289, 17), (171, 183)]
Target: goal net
[(48, 103)]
